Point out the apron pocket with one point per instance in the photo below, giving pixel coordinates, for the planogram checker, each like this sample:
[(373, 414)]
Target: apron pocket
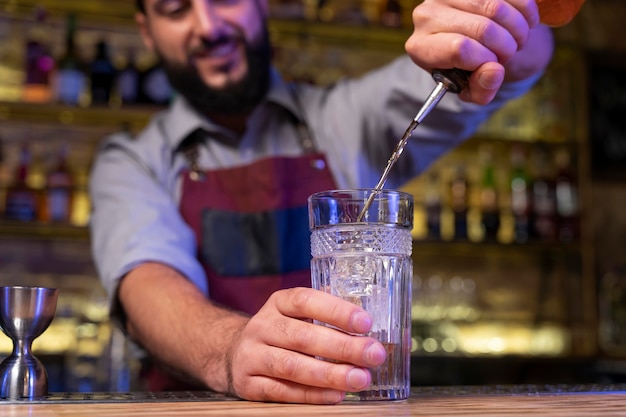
[(255, 244)]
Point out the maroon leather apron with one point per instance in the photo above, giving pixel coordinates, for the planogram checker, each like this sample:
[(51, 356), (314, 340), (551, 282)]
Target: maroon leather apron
[(251, 226)]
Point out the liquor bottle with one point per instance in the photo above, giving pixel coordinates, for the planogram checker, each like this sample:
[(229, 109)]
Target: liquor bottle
[(21, 199), (40, 64), (432, 204), (102, 74), (543, 198), (489, 208), (154, 87), (459, 202), (57, 205), (520, 195), (5, 177), (71, 80), (391, 15), (11, 61), (127, 83), (567, 206), (81, 206)]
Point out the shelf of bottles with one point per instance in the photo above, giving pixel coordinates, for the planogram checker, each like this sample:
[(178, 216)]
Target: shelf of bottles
[(506, 214), (499, 232)]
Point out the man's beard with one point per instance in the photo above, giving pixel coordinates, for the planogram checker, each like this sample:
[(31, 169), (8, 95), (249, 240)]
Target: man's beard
[(236, 98)]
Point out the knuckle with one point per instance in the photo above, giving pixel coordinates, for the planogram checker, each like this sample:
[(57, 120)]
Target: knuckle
[(492, 8), (461, 47), (329, 375), (301, 338), (347, 349), (483, 30), (300, 297), (282, 325), (288, 366), (335, 312), (529, 4), (263, 393), (268, 360)]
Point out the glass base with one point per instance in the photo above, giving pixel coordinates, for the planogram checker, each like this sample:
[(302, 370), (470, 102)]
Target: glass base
[(389, 394)]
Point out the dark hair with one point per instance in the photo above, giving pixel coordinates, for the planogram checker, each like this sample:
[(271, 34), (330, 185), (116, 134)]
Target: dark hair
[(140, 6)]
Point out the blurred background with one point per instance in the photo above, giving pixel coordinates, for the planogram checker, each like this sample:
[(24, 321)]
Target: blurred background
[(519, 260)]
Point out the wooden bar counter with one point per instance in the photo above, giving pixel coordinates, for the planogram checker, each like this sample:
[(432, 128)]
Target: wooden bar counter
[(527, 401)]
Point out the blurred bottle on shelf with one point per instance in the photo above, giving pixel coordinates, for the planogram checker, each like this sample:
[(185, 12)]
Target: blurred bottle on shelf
[(520, 195), (127, 83), (432, 205), (40, 64), (612, 310), (102, 74), (154, 87), (544, 225), (71, 79), (58, 194), (5, 176), (567, 206), (311, 9), (81, 207), (11, 61), (459, 202), (391, 15), (489, 207), (21, 198), (372, 10), (287, 9)]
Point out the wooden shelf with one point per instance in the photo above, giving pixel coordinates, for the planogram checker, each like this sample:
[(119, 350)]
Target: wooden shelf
[(36, 230), (102, 11), (67, 115), (468, 248)]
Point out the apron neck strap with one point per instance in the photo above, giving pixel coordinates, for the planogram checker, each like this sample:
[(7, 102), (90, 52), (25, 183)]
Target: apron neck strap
[(189, 146)]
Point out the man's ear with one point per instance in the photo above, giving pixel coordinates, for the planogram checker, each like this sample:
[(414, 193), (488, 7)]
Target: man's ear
[(146, 36)]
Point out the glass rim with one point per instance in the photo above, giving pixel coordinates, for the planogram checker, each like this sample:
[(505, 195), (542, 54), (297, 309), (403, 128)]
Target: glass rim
[(359, 193), (364, 206)]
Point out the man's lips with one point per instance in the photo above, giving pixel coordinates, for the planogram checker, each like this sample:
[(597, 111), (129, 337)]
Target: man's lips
[(221, 50)]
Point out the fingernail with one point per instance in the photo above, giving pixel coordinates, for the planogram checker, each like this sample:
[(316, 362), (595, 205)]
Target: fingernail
[(358, 379), (491, 80), (375, 354), (361, 322)]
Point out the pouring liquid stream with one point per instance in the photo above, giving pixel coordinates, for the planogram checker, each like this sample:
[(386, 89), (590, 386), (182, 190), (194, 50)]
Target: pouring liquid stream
[(447, 80)]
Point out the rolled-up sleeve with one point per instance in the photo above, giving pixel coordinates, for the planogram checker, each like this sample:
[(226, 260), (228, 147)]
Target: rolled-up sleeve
[(358, 122), (136, 219)]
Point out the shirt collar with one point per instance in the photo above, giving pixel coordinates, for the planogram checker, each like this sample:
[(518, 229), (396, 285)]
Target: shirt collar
[(181, 119)]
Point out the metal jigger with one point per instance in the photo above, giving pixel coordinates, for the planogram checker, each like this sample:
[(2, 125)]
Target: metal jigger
[(25, 313)]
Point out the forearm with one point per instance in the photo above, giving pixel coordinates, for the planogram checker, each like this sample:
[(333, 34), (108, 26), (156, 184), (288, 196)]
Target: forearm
[(178, 325)]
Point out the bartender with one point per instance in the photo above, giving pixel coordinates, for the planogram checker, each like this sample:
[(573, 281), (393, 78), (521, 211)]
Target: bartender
[(199, 224)]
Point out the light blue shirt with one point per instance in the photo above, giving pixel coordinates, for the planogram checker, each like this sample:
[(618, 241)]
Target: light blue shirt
[(135, 182)]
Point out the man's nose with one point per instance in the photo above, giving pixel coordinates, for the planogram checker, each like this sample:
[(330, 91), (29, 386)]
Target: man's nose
[(206, 18)]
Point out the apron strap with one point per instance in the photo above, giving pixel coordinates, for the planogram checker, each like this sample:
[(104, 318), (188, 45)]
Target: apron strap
[(305, 136), (189, 146)]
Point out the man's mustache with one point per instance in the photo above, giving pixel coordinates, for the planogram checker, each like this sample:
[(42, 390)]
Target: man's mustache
[(206, 45)]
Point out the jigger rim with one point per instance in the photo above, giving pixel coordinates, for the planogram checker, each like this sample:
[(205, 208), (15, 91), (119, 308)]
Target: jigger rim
[(28, 287)]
